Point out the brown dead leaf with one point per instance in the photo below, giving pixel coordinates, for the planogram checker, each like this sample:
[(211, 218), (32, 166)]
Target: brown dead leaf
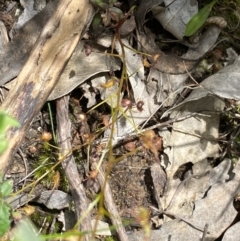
[(152, 142), (159, 180)]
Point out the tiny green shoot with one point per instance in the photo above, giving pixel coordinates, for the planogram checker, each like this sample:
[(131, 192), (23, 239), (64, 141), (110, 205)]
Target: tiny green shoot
[(5, 190), (6, 121)]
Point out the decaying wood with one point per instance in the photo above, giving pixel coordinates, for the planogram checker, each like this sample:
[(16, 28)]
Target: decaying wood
[(15, 54), (41, 72), (69, 165)]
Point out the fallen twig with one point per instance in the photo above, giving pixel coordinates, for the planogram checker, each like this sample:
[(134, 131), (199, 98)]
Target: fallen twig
[(158, 125), (188, 221), (69, 165), (111, 207)]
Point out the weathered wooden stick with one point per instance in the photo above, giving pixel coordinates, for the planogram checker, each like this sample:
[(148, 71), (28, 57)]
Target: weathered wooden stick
[(70, 167), (43, 68)]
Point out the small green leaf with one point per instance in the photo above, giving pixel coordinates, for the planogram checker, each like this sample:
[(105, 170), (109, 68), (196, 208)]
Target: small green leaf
[(6, 188), (111, 2), (96, 22), (116, 10), (7, 121), (4, 219), (99, 4), (3, 145), (198, 19), (25, 232)]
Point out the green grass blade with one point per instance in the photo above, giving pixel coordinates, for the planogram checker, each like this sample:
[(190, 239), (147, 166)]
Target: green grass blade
[(198, 19)]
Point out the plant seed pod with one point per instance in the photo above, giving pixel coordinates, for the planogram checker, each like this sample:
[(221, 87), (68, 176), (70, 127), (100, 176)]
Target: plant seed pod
[(46, 136)]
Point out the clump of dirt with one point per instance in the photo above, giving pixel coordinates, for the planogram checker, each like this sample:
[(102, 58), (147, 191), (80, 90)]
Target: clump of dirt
[(130, 181)]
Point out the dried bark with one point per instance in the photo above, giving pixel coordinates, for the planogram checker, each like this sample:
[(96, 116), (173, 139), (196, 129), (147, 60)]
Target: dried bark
[(41, 72)]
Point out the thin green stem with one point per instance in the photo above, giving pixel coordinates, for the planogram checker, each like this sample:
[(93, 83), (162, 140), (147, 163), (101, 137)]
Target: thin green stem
[(51, 122)]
